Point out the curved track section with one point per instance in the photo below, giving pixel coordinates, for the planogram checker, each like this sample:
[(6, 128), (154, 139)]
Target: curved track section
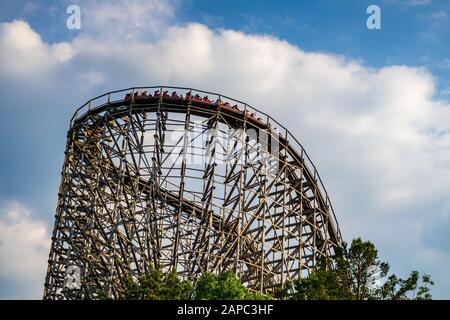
[(191, 183)]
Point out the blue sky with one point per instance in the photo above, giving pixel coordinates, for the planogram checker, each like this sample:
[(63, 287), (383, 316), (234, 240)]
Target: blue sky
[(413, 32), (370, 106)]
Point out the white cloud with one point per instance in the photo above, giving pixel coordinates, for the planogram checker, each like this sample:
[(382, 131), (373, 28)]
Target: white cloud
[(126, 20), (438, 15), (24, 249), (378, 136), (410, 3), (418, 2), (26, 54)]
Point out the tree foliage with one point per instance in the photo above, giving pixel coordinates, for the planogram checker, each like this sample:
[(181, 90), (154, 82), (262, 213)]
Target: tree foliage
[(225, 286), (157, 285), (355, 273)]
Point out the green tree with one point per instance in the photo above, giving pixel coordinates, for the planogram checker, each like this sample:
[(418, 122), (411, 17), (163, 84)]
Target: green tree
[(356, 273), (157, 285), (412, 288), (364, 267), (225, 286)]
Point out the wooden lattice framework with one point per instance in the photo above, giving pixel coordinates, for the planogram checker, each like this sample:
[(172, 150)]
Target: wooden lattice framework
[(190, 185)]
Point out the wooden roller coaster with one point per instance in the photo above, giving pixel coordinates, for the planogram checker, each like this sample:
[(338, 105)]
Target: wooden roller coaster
[(189, 183)]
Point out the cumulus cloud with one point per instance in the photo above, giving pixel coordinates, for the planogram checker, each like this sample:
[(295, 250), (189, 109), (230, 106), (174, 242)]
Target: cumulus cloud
[(24, 248), (126, 20), (378, 136), (26, 54)]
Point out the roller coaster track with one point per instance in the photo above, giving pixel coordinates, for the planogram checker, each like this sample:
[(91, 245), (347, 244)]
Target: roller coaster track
[(266, 241)]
